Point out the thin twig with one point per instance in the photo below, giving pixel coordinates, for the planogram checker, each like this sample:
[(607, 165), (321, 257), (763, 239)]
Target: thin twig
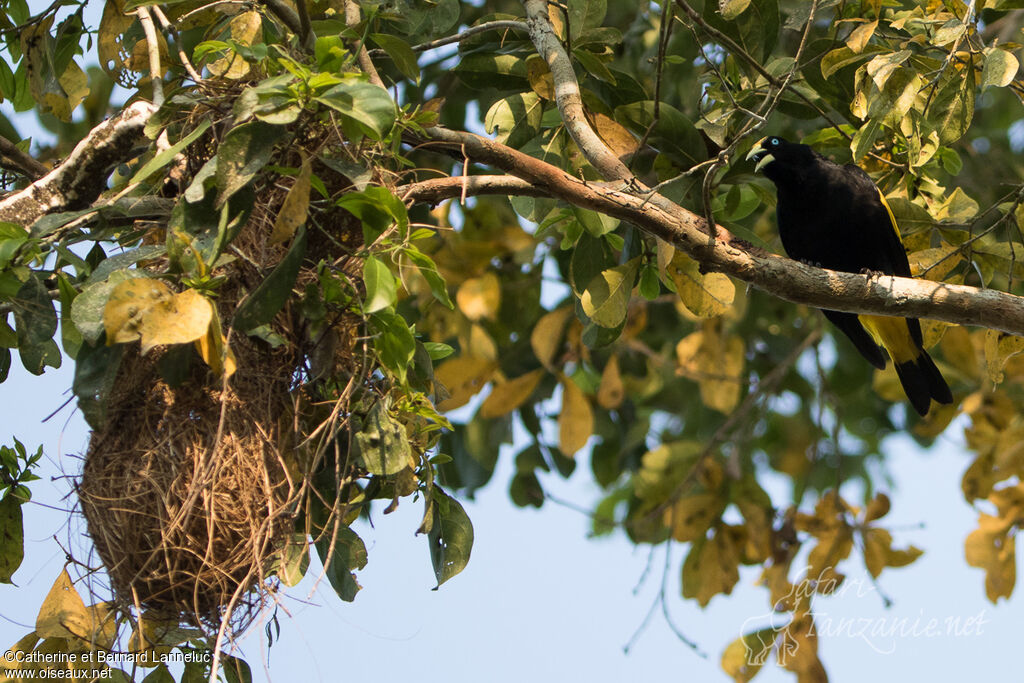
[(459, 37), (155, 73), (352, 19), (173, 32)]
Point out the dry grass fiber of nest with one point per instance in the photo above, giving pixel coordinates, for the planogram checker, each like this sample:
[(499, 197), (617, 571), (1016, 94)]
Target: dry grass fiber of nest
[(184, 490)]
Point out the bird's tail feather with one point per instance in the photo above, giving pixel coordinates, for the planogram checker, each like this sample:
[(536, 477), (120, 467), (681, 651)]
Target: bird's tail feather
[(922, 382)]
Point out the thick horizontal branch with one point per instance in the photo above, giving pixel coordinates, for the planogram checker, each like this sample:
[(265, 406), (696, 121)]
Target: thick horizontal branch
[(80, 178), (776, 275)]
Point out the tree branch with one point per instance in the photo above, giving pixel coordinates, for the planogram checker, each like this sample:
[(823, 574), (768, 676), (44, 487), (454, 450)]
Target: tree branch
[(567, 94), (500, 24), (26, 164), (436, 190), (80, 179), (352, 19), (776, 275)]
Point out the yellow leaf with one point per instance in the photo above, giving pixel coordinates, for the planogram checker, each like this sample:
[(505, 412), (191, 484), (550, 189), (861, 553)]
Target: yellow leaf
[(833, 546), (798, 649), (610, 392), (546, 336), (125, 310), (619, 140), (935, 263), (705, 295), (886, 384), (576, 420), (999, 346), (184, 318), (480, 344), (507, 396), (691, 517), (932, 331), (877, 544), (214, 349), (666, 252), (606, 298), (782, 592), (295, 207), (711, 567), (103, 624), (463, 377), (716, 364), (860, 36), (745, 656), (901, 558), (877, 508), (75, 85), (114, 25), (540, 78), (63, 614), (480, 297), (10, 660), (959, 351), (991, 548), (245, 28)]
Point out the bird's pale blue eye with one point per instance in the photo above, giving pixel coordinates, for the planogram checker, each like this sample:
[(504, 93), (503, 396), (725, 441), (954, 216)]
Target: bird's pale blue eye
[(773, 141)]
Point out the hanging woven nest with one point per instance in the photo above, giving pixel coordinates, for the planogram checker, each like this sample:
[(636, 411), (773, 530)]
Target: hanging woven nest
[(184, 488)]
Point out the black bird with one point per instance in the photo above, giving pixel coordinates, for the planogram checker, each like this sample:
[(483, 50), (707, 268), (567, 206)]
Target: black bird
[(835, 217)]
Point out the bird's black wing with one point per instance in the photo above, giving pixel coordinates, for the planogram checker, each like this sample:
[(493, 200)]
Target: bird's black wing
[(875, 217)]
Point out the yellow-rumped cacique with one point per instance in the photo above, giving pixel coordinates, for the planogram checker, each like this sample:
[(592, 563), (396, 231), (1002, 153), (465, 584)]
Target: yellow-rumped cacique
[(835, 217)]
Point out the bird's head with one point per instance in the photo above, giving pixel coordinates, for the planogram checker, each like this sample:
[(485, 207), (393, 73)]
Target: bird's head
[(773, 153)]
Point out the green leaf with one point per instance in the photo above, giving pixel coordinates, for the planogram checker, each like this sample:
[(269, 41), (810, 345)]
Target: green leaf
[(516, 119), (650, 285), (999, 69), (380, 285), (87, 308), (12, 537), (428, 269), (502, 71), (450, 536), (394, 341), (378, 209), (382, 444), (369, 107), (591, 256), (585, 14), (294, 560), (438, 350), (593, 64), (730, 9), (95, 372), (606, 298), (35, 320), (673, 133), (12, 236), (400, 53), (269, 297), (125, 260), (246, 149), (237, 670), (347, 552), (165, 157)]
